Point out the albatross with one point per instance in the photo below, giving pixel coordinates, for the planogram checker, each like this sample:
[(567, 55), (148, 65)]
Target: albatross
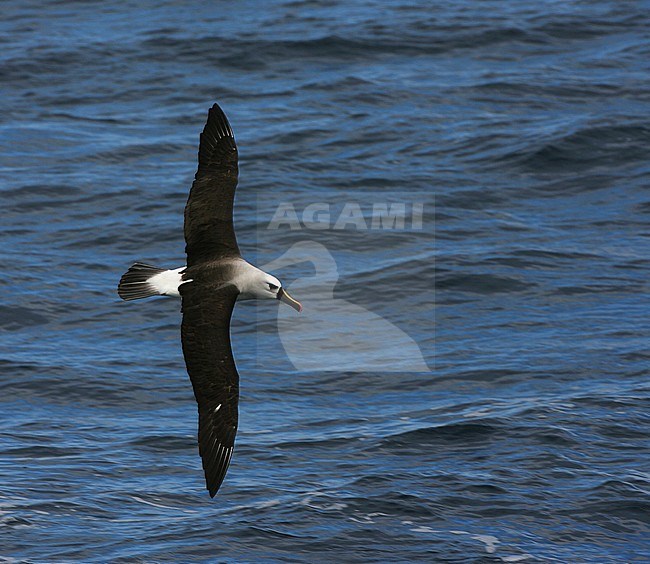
[(214, 278)]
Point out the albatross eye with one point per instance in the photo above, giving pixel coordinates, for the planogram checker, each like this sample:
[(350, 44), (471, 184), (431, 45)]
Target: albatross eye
[(272, 286)]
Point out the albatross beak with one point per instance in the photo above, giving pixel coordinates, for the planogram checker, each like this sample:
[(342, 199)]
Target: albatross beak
[(287, 299)]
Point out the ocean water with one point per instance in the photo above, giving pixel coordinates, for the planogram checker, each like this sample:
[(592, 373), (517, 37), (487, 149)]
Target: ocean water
[(458, 194)]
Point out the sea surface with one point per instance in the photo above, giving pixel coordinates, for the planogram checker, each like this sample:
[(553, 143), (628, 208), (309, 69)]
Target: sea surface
[(458, 192)]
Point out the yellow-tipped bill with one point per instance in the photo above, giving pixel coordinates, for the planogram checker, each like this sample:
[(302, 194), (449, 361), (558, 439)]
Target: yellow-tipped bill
[(284, 296)]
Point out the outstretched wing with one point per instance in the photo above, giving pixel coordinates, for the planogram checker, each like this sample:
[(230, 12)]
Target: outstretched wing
[(205, 333), (209, 231)]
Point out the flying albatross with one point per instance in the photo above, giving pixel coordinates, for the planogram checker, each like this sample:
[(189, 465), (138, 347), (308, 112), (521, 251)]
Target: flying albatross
[(216, 276)]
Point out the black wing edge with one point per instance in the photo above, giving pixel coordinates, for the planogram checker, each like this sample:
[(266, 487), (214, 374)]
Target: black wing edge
[(216, 448), (205, 336), (217, 142)]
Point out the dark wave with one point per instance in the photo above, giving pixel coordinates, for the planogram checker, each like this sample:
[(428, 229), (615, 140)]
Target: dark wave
[(459, 433), (14, 318), (481, 283), (591, 148)]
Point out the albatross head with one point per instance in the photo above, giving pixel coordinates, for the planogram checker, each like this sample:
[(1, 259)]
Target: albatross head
[(257, 284)]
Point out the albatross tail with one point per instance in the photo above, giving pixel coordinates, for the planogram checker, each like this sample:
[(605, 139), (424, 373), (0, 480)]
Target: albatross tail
[(144, 280)]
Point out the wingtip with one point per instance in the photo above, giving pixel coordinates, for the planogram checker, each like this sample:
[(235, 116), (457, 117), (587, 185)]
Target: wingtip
[(218, 117), (217, 146), (213, 489)]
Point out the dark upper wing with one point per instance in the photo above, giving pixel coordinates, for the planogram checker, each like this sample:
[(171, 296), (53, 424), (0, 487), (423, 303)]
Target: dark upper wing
[(205, 334), (209, 231)]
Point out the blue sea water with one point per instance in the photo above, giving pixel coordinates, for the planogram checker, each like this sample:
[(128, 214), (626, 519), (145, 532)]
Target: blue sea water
[(471, 387)]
